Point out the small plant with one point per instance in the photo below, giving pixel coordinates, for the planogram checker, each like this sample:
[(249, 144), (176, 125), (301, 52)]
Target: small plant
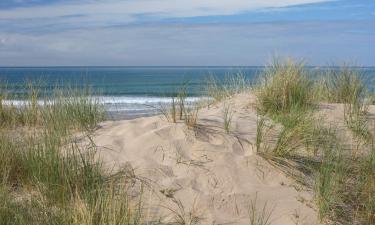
[(164, 110), (173, 111), (182, 216), (259, 217), (227, 117), (181, 100), (191, 115)]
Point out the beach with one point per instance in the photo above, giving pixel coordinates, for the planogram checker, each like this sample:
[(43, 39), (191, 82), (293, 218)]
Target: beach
[(213, 174), (287, 150), (178, 112)]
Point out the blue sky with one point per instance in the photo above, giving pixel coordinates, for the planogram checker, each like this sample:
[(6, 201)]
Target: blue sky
[(185, 32)]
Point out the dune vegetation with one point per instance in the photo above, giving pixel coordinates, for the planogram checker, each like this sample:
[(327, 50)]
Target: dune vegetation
[(340, 169), (48, 175)]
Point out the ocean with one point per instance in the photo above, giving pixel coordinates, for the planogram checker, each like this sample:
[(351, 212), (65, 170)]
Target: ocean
[(129, 92)]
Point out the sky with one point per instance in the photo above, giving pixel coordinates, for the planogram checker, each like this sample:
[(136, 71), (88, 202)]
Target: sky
[(185, 32)]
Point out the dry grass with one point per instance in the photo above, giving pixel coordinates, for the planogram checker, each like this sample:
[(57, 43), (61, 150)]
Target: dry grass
[(190, 115)]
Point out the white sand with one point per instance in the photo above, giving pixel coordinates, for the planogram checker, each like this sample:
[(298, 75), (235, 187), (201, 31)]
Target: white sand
[(212, 174)]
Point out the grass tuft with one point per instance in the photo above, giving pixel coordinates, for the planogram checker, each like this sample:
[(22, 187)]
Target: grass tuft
[(259, 217), (46, 176), (343, 85), (227, 117), (219, 90), (283, 88)]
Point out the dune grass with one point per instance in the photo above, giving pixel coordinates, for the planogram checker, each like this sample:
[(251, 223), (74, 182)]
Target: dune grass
[(284, 94), (68, 107), (180, 110), (190, 115), (343, 85), (227, 117), (344, 182), (49, 177), (283, 88), (219, 90), (345, 188), (259, 217)]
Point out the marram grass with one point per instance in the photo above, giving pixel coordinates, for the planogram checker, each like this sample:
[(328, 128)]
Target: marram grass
[(48, 178), (344, 183)]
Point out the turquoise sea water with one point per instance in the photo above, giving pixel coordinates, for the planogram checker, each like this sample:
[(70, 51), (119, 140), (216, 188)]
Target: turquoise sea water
[(130, 91)]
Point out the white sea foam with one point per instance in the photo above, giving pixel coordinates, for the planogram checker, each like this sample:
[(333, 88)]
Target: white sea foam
[(119, 103), (139, 104), (140, 99)]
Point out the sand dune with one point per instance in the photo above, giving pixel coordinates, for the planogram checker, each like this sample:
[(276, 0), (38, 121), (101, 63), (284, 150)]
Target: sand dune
[(212, 175)]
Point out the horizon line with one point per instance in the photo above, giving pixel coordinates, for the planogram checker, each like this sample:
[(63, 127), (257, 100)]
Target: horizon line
[(179, 66)]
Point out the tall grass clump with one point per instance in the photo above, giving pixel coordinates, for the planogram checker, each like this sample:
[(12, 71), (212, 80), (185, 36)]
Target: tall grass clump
[(83, 109), (328, 179), (344, 183), (346, 85), (345, 188), (284, 94), (343, 85), (12, 167), (68, 107), (283, 88), (355, 116), (46, 175)]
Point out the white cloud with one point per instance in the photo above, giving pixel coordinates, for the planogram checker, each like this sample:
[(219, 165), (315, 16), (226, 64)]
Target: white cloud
[(246, 44), (127, 10)]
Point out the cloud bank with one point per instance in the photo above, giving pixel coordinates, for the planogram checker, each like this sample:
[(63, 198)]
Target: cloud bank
[(246, 44), (101, 12), (176, 32)]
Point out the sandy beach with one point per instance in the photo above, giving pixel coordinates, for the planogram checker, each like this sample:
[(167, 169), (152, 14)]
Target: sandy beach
[(212, 174), (178, 112), (284, 152)]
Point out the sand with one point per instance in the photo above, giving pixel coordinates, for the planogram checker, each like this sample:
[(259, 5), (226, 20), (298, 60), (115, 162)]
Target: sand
[(204, 174)]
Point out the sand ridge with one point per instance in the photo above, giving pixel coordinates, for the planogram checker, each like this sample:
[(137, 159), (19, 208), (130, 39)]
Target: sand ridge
[(204, 174)]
